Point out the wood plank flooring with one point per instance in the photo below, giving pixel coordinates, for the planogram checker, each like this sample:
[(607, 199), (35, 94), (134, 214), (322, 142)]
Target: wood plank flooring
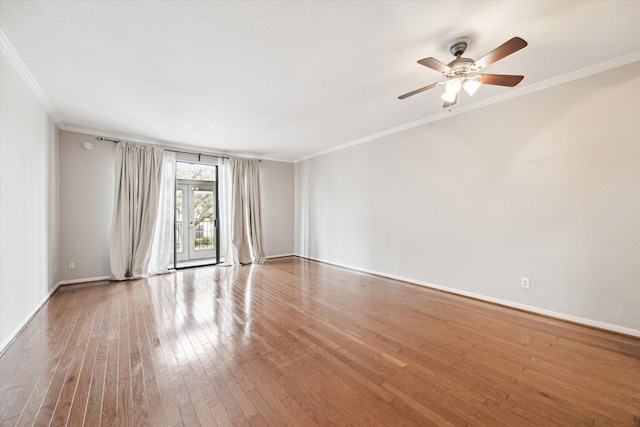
[(295, 342)]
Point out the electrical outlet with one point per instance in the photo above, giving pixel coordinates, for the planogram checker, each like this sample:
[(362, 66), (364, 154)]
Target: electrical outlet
[(72, 265), (524, 282)]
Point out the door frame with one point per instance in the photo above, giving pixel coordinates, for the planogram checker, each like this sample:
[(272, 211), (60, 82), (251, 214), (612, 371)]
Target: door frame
[(187, 202)]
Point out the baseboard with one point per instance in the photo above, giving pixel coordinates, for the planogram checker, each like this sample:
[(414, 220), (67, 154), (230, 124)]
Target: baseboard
[(86, 280), (279, 256), (7, 343), (522, 307)]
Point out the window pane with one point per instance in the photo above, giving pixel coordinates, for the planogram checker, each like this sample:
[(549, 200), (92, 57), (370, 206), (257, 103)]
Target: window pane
[(203, 215)]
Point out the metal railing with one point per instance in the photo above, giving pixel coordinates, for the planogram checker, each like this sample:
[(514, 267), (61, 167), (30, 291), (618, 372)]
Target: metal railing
[(204, 233)]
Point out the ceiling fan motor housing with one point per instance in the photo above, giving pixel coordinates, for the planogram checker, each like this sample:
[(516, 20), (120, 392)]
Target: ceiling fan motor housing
[(460, 67)]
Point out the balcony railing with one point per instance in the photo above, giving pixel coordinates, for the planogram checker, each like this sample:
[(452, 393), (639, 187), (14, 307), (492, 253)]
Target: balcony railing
[(204, 236)]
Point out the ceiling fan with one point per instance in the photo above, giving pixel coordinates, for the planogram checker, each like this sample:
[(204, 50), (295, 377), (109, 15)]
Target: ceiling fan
[(458, 72)]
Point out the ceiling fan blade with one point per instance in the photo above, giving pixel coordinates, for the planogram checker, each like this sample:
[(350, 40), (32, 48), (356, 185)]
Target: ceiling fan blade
[(449, 104), (513, 45), (422, 89), (499, 79), (434, 64)]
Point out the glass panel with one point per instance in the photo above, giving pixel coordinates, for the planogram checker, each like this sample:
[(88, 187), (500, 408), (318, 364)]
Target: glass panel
[(204, 216), (179, 228)]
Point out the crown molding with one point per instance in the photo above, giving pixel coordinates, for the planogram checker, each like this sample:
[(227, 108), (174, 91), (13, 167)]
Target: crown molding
[(515, 93), (14, 59), (205, 151)]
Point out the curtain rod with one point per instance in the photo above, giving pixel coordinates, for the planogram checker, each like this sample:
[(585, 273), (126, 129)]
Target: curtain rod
[(115, 141), (99, 138), (196, 154)]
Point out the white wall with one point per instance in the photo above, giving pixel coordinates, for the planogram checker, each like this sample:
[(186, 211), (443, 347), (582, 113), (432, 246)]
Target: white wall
[(545, 186), (86, 206), (28, 203)]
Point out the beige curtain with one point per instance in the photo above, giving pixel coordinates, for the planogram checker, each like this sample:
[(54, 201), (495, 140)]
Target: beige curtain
[(241, 206), (139, 173)]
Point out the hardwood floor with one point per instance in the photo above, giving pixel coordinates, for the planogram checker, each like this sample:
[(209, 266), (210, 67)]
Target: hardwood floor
[(295, 342)]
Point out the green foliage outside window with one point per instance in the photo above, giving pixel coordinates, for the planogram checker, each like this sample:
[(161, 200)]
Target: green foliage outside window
[(195, 172)]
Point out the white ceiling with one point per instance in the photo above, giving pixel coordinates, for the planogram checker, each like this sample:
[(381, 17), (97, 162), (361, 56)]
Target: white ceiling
[(286, 80)]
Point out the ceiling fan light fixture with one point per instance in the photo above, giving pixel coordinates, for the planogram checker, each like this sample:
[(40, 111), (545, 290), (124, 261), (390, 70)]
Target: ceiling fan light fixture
[(453, 86), (449, 96), (471, 86)]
